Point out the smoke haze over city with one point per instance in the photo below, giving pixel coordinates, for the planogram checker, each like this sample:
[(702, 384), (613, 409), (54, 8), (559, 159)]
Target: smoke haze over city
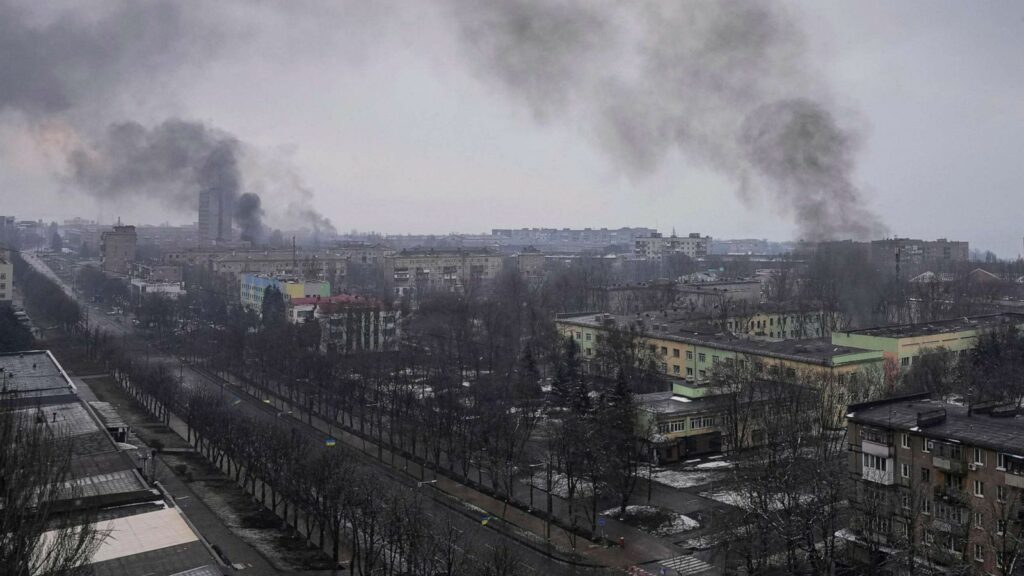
[(790, 120)]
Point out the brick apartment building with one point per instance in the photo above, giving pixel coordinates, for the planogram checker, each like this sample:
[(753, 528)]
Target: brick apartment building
[(936, 484)]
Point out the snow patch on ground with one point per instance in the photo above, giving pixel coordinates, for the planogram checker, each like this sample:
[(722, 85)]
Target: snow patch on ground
[(714, 464), (560, 485), (685, 478), (655, 521)]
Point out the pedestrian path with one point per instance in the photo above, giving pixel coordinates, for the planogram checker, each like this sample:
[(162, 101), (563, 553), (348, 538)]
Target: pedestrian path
[(686, 566)]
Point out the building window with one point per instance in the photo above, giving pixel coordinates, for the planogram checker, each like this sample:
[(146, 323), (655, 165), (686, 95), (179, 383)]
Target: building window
[(689, 354), (979, 520), (1001, 493), (926, 506), (875, 462), (588, 336), (664, 351), (675, 369), (905, 470), (979, 488), (703, 374), (905, 501), (702, 422), (1000, 526), (905, 361), (929, 538), (926, 445), (979, 456), (689, 372), (926, 474), (714, 359), (675, 352), (702, 357), (905, 440)]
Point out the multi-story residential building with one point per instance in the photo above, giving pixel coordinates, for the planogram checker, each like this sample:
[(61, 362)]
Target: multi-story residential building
[(117, 249), (903, 344), (253, 287), (657, 247), (442, 270), (689, 357), (348, 323), (569, 239), (911, 256), (323, 265), (6, 277), (937, 484), (215, 213)]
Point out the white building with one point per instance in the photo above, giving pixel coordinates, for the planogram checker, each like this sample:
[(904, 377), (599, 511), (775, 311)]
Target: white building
[(656, 246)]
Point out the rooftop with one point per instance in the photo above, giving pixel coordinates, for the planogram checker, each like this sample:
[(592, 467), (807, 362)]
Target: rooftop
[(819, 351), (146, 535), (1002, 433), (29, 376), (987, 322), (337, 299)]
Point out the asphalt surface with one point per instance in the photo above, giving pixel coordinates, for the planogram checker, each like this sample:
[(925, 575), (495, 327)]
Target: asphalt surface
[(121, 326)]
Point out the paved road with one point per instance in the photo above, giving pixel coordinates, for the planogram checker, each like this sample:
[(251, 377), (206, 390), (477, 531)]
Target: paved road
[(482, 538)]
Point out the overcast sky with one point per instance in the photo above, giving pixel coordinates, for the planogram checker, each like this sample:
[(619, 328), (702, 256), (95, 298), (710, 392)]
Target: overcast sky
[(381, 115)]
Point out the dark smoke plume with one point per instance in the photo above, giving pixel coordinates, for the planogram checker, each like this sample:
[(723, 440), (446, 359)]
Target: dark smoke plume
[(62, 69), (249, 216), (727, 83)]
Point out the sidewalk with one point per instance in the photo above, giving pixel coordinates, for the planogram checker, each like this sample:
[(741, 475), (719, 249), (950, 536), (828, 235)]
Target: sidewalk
[(246, 558), (641, 547)]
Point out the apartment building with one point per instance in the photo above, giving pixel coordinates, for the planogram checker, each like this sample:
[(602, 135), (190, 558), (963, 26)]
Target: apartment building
[(913, 256), (657, 246), (6, 277), (937, 484), (420, 270), (117, 249)]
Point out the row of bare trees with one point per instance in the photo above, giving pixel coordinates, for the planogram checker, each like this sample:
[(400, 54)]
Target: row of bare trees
[(326, 493)]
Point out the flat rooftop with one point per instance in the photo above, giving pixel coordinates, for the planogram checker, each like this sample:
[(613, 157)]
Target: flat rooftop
[(1004, 434), (986, 322), (146, 535), (818, 351), (31, 376)]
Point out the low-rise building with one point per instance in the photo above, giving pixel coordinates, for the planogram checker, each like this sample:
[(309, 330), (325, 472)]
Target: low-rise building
[(937, 484), (145, 532), (140, 289), (348, 323), (253, 287), (690, 356), (903, 344)]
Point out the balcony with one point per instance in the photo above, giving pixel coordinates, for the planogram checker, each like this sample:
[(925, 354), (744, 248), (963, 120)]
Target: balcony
[(1014, 480), (950, 494), (876, 448), (948, 465), (884, 477)]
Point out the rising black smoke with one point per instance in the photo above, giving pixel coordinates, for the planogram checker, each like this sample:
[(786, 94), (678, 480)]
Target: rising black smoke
[(64, 67), (728, 83)]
